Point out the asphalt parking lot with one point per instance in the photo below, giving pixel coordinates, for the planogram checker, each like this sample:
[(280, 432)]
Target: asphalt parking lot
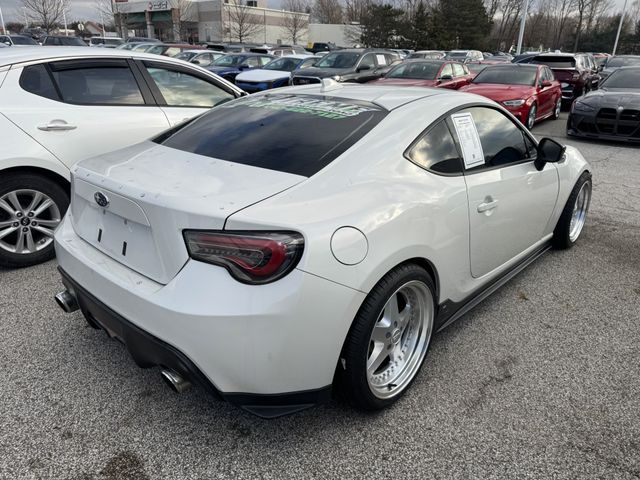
[(542, 380)]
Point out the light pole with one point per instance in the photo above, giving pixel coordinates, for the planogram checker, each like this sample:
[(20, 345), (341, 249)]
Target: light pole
[(4, 29), (26, 21), (522, 22), (64, 17), (615, 45)]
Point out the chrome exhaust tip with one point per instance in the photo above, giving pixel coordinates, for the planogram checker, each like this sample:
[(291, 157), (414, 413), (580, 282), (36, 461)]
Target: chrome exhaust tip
[(175, 381), (66, 301)]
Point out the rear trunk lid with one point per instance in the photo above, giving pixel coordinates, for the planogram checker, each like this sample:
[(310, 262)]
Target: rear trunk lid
[(134, 203), (566, 75)]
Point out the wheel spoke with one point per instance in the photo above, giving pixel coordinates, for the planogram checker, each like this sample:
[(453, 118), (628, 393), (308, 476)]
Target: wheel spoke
[(6, 207), (392, 311), (6, 223), (47, 231), (42, 207), (376, 358), (15, 202), (37, 198), (49, 223), (20, 242), (380, 333), (31, 246), (7, 231)]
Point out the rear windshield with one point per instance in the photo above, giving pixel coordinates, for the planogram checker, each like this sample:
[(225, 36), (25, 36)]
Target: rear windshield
[(507, 75), (556, 62), (299, 134)]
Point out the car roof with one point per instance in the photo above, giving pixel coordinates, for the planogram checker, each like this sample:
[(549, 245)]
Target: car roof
[(35, 53), (387, 97)]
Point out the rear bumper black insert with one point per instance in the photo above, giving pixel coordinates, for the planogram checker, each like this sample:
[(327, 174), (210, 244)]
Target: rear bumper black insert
[(149, 351)]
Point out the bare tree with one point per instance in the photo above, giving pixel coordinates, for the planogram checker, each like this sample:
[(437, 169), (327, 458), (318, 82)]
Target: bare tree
[(296, 19), (114, 13), (243, 22), (183, 18), (47, 13), (327, 11), (354, 10)]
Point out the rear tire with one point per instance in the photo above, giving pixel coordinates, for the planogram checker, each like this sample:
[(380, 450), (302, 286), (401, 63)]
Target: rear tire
[(389, 339), (31, 207), (531, 116), (557, 109), (574, 214)]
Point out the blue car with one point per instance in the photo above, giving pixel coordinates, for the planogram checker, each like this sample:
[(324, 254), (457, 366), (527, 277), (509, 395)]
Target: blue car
[(275, 74), (231, 65)]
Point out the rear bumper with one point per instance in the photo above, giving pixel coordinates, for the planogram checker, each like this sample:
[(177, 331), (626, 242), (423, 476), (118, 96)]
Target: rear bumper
[(271, 349)]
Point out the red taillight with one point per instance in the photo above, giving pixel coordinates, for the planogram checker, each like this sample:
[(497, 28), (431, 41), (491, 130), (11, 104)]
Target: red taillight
[(250, 257)]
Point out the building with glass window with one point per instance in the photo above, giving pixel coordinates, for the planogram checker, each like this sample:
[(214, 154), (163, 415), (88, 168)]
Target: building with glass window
[(211, 21)]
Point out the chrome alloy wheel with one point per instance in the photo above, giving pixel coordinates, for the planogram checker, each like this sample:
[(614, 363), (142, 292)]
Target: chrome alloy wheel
[(400, 339), (580, 208), (531, 119), (27, 221), (558, 109)]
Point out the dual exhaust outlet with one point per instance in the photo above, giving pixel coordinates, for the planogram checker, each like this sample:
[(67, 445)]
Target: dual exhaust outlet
[(68, 302)]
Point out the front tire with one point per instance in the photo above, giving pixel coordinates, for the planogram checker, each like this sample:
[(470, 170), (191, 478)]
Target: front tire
[(31, 207), (389, 339), (574, 214), (531, 117)]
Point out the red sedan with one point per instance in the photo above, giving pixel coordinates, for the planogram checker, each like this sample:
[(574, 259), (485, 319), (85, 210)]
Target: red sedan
[(427, 73), (530, 92)]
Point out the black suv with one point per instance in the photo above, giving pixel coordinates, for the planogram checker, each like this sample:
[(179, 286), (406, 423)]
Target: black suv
[(351, 65)]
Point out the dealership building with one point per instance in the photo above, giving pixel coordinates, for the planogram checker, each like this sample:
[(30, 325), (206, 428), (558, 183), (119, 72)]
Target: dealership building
[(210, 21)]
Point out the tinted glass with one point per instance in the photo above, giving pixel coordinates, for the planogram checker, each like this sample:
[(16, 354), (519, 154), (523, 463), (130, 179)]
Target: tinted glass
[(616, 62), (556, 62), (457, 54), (272, 131), (283, 64), (476, 67), (338, 60), (623, 78), (437, 151), (417, 70), (502, 141), (181, 89), (230, 61), (507, 75), (35, 79), (369, 60), (19, 40), (186, 56), (99, 86)]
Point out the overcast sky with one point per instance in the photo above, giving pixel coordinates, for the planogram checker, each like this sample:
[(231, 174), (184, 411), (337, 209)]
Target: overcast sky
[(86, 10)]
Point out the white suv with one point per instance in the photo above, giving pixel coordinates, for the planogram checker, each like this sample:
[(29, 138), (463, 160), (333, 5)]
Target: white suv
[(61, 104)]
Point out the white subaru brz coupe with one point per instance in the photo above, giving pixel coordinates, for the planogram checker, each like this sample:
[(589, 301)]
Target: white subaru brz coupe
[(288, 244)]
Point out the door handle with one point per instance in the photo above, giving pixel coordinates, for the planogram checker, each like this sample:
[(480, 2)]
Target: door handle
[(57, 126), (488, 204)]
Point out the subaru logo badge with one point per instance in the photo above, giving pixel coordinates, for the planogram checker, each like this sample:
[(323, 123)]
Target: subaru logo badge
[(101, 199)]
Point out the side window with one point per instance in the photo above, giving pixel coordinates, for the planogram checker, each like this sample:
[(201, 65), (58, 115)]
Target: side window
[(35, 79), (458, 71), (97, 85), (252, 61), (310, 62), (437, 151), (181, 89), (381, 60), (264, 61), (368, 60), (550, 75), (503, 143), (447, 70)]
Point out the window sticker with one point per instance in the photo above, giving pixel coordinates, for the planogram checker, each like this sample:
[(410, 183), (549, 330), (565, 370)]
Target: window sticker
[(334, 110), (382, 60), (469, 139)]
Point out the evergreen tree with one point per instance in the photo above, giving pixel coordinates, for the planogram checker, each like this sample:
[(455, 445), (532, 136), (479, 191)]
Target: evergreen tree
[(462, 24), (381, 26)]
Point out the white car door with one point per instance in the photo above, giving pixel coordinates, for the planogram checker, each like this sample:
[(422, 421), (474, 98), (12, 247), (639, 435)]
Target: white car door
[(80, 108), (183, 93), (510, 201)]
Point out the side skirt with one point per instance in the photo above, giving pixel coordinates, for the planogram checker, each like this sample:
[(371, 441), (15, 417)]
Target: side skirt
[(449, 312)]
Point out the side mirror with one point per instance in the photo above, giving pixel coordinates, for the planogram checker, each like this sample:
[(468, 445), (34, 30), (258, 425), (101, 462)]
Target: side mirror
[(546, 83), (244, 66), (196, 62), (446, 77), (549, 151), (364, 67), (8, 43)]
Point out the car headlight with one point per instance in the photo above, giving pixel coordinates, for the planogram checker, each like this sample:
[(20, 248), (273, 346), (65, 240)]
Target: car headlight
[(513, 103), (337, 78), (583, 107)]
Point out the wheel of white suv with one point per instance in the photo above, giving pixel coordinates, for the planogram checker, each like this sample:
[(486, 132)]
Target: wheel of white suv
[(389, 338), (31, 207)]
